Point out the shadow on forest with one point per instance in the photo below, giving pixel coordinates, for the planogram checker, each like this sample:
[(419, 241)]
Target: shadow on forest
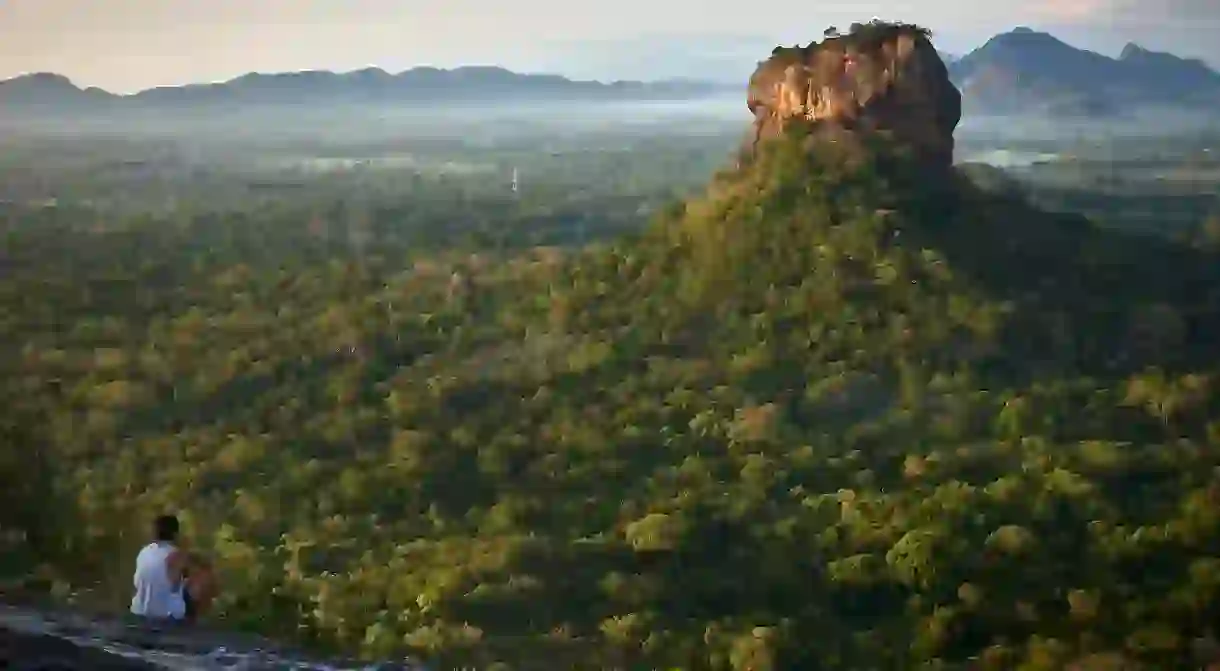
[(1104, 303)]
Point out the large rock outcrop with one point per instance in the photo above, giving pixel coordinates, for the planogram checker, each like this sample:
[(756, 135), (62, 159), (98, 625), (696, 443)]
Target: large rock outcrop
[(880, 77)]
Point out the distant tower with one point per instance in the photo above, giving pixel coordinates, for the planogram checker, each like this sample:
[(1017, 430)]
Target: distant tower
[(516, 181)]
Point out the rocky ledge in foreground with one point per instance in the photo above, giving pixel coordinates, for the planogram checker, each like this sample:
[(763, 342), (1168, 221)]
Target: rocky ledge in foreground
[(41, 640)]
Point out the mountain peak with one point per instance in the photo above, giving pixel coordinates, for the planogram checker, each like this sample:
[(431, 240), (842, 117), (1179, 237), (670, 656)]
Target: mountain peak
[(42, 89), (42, 80), (372, 72), (1132, 50), (1025, 71), (1025, 36), (1135, 53), (880, 76)]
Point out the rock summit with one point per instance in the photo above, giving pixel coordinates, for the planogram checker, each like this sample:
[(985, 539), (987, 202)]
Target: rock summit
[(878, 78)]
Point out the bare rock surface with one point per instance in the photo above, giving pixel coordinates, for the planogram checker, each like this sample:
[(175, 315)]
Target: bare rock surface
[(879, 78), (38, 639)]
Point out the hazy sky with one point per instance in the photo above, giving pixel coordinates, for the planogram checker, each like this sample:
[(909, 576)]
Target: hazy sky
[(125, 45)]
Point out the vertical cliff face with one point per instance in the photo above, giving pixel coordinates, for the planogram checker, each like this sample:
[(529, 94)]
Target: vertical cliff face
[(880, 78)]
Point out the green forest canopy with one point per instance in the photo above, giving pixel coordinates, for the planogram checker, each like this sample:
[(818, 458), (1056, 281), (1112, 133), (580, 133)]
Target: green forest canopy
[(823, 416)]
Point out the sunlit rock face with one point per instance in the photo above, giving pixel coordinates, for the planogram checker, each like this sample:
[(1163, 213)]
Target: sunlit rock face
[(881, 78)]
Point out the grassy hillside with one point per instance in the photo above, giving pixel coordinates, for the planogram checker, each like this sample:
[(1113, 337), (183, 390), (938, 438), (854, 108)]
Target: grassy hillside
[(826, 415)]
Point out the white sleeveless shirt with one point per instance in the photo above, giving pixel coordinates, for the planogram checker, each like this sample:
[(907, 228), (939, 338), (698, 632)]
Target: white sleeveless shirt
[(155, 595)]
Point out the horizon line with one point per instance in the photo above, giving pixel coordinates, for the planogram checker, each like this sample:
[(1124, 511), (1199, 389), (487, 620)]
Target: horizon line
[(368, 68), (713, 82)]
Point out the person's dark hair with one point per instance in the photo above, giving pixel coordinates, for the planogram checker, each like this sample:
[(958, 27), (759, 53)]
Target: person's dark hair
[(165, 528)]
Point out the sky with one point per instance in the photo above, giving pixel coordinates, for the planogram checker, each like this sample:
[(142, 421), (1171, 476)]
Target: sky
[(127, 45)]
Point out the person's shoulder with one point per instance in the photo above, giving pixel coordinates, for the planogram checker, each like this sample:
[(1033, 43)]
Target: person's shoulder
[(179, 556)]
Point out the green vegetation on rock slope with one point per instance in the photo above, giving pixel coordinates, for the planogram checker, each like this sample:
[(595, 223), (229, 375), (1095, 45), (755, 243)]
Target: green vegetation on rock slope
[(829, 415)]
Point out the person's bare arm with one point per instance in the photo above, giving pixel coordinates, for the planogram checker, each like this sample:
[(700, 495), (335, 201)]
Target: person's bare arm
[(202, 584), (175, 565)]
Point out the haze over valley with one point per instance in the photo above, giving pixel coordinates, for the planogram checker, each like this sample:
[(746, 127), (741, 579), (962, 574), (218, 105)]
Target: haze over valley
[(1027, 96)]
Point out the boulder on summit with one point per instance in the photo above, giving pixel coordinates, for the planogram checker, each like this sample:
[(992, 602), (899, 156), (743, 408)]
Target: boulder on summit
[(878, 78)]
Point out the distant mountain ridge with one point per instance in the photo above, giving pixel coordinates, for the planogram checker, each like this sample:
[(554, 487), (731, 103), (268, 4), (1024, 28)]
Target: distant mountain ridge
[(1024, 71), (54, 93)]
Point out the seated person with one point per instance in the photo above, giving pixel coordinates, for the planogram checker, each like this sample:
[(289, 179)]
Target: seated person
[(171, 584)]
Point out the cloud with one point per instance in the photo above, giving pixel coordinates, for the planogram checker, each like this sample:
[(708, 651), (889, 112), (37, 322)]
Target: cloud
[(1069, 11), (1127, 11), (1182, 10)]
